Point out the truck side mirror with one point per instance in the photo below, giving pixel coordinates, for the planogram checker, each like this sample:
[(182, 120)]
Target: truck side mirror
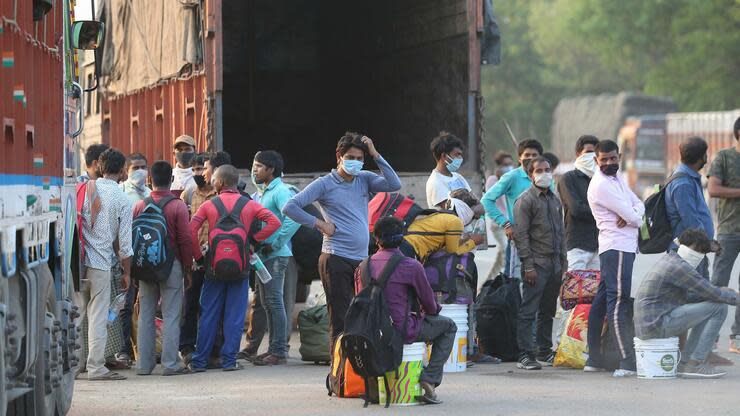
[(87, 34)]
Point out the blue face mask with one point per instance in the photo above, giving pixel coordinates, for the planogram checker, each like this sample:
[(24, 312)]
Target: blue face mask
[(352, 167), (454, 164)]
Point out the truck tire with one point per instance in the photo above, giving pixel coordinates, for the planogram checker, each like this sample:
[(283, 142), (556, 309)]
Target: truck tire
[(40, 401), (68, 360), (3, 392)]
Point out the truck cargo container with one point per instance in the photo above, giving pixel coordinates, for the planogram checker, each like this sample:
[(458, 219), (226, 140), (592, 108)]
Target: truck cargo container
[(294, 75)]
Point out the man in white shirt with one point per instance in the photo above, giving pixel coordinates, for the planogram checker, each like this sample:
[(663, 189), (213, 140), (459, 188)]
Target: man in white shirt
[(184, 152), (448, 152)]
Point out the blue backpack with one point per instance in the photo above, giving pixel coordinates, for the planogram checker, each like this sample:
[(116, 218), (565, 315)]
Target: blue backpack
[(153, 251)]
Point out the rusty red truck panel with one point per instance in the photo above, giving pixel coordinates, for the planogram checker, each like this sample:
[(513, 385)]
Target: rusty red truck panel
[(713, 126)]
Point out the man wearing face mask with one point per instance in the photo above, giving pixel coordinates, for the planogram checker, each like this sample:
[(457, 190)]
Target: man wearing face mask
[(540, 243), (184, 152), (343, 196), (663, 309), (511, 185), (618, 214), (581, 234), (448, 152)]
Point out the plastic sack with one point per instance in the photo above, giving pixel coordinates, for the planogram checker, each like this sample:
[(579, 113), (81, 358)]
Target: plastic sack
[(573, 349)]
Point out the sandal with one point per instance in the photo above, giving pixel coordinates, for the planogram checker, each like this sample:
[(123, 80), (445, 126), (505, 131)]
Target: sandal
[(111, 375)]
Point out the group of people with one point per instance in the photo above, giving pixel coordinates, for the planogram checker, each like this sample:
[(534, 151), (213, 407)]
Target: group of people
[(589, 219)]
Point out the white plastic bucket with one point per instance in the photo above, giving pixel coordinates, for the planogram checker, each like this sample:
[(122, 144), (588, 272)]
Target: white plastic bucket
[(657, 358), (458, 360), (404, 384)]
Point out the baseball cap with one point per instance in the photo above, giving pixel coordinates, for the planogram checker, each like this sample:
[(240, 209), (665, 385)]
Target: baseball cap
[(184, 138)]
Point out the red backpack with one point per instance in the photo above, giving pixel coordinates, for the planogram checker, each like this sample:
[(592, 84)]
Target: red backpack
[(386, 204), (228, 241)]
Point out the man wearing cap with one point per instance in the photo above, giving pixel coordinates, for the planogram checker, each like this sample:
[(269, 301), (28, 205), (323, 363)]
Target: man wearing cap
[(184, 152)]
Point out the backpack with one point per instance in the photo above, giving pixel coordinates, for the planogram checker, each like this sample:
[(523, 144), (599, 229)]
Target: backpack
[(371, 342), (83, 190), (656, 232), (228, 242), (386, 204), (342, 381), (153, 252), (313, 328), (453, 274), (497, 308)]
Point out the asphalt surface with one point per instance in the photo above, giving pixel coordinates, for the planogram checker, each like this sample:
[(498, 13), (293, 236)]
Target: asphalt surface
[(298, 389)]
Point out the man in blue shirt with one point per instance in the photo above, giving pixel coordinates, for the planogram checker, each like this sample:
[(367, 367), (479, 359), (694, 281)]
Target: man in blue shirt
[(275, 253), (511, 185), (343, 196), (684, 196)]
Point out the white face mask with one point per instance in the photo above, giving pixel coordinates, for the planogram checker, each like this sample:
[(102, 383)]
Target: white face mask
[(586, 163), (690, 256), (543, 180), (138, 177)]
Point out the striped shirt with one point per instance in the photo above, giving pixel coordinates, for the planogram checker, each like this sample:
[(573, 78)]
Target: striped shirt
[(666, 287), (113, 222)]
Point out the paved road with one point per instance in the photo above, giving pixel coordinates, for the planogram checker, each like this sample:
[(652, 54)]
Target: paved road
[(298, 389)]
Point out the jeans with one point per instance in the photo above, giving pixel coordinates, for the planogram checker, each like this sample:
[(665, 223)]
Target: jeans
[(538, 302), (93, 300), (189, 327), (723, 269), (271, 297), (704, 319), (583, 260), (440, 332), (170, 292), (338, 278), (126, 316), (612, 301), (258, 317), (219, 300)]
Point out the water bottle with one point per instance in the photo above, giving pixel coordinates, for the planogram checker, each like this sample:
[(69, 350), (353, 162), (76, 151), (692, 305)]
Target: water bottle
[(480, 228), (262, 273), (115, 307)]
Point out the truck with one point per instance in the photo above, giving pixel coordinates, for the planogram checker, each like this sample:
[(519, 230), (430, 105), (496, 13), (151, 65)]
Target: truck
[(599, 115), (293, 76), (650, 144), (41, 107)]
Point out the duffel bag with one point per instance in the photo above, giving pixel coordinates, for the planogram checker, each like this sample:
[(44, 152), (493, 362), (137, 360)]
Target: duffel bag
[(579, 287)]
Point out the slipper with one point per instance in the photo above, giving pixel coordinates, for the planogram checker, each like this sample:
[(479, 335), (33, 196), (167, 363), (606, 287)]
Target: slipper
[(428, 400), (111, 375)]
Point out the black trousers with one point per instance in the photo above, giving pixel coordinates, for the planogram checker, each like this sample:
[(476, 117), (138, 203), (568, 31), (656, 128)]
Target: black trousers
[(337, 277)]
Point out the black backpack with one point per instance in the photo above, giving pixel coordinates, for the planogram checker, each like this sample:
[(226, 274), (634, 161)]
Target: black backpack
[(497, 308), (370, 341), (153, 252), (306, 245), (656, 232)]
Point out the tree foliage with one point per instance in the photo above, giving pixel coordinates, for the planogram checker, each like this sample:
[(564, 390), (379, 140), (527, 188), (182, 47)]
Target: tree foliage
[(685, 49)]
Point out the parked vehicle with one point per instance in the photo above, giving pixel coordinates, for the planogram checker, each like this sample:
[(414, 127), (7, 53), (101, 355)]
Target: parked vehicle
[(41, 112)]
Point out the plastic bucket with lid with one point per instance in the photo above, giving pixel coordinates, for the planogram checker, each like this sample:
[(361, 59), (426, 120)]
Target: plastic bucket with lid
[(657, 358), (458, 360), (405, 388)]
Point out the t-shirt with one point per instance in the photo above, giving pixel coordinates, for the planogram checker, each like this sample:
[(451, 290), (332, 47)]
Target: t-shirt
[(439, 187), (726, 168)]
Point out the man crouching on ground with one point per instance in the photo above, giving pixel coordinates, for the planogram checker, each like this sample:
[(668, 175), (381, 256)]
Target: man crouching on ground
[(421, 326), (662, 309)]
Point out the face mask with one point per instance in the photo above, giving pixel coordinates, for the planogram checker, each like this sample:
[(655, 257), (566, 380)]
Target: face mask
[(703, 162), (690, 256), (525, 164), (352, 167), (184, 158), (200, 180), (586, 164), (543, 180), (609, 170), (260, 186), (454, 164), (138, 177), (507, 169)]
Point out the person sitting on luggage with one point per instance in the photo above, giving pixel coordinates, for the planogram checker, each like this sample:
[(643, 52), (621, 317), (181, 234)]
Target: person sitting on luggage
[(426, 325), (224, 299), (662, 309), (540, 240), (444, 230)]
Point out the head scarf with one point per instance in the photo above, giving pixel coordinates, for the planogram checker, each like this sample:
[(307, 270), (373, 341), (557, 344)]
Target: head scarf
[(463, 211)]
